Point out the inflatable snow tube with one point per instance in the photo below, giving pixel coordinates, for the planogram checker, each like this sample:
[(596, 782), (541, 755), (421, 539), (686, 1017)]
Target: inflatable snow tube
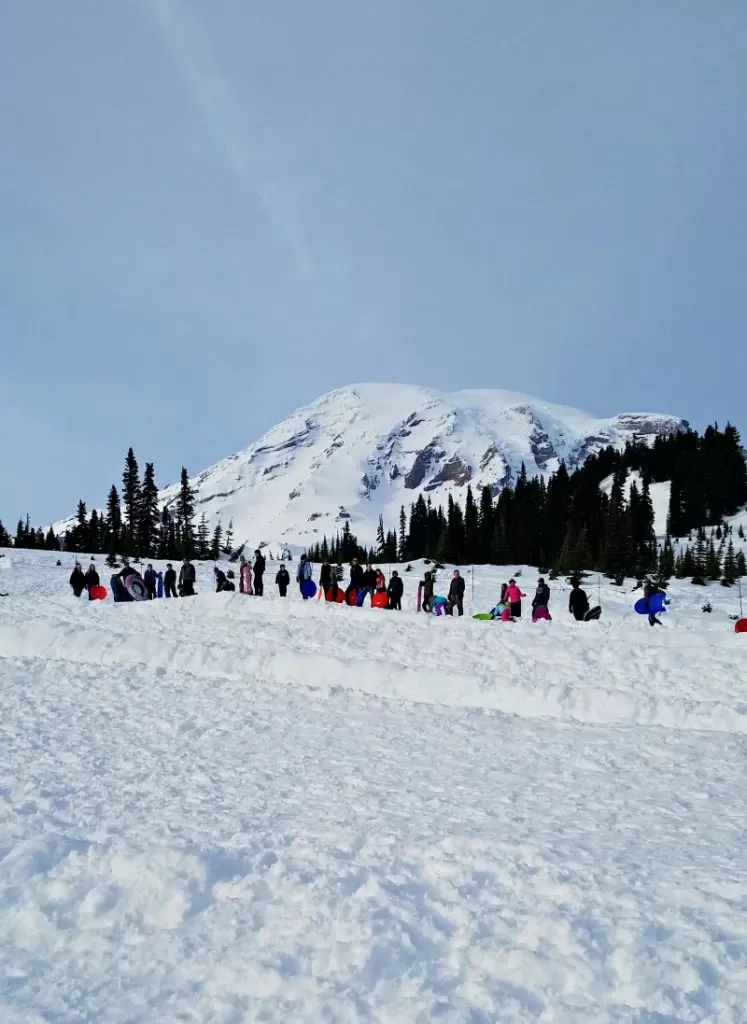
[(593, 614), (98, 593), (308, 588), (380, 599), (136, 588), (650, 605)]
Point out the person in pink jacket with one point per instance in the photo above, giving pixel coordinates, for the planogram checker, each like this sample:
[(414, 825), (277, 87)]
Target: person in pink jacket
[(513, 597)]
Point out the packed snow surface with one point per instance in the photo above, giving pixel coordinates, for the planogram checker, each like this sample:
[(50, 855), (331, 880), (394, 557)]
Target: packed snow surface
[(366, 450), (233, 809)]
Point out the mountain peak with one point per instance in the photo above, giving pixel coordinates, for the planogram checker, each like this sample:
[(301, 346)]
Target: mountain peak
[(364, 450)]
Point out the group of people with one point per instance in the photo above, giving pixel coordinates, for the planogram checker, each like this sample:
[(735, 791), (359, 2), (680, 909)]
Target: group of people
[(429, 601), (363, 583), (508, 608), (87, 580), (130, 585)]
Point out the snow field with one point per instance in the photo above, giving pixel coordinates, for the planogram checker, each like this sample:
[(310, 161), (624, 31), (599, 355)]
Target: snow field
[(231, 809)]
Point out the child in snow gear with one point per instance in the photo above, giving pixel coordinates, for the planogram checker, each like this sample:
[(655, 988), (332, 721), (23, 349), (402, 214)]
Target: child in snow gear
[(456, 593), (169, 581), (187, 578), (282, 579), (513, 598), (221, 581), (259, 572), (395, 591), (649, 590), (303, 573), (578, 601), (151, 581), (245, 576), (92, 579), (540, 601), (77, 580)]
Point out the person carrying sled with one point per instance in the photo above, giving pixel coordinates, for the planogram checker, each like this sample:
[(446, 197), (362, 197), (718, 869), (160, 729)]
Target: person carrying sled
[(187, 579), (456, 593), (259, 573), (150, 579), (513, 597), (578, 601), (650, 590), (282, 579), (92, 579), (77, 580), (303, 573), (540, 601), (169, 581), (395, 591), (118, 583)]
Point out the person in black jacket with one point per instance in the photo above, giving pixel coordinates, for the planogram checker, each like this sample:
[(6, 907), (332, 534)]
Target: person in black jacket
[(282, 579), (325, 576), (369, 581), (395, 590), (578, 602), (259, 572), (541, 597), (92, 579), (356, 577), (77, 580), (187, 579), (169, 581), (456, 593), (150, 579), (650, 590)]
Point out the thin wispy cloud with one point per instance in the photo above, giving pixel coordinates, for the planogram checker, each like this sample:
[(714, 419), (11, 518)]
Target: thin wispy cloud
[(215, 98)]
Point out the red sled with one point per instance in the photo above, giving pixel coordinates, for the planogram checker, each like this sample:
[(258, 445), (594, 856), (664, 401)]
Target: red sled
[(740, 626), (98, 593), (352, 597), (339, 599), (379, 599)]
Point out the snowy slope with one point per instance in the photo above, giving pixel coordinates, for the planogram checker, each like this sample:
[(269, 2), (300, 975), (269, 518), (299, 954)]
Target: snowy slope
[(365, 450), (231, 809)]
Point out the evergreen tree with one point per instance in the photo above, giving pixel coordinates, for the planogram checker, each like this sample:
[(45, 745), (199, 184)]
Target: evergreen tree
[(227, 547), (740, 565), (485, 524), (131, 501), (402, 547), (380, 541), (730, 564), (203, 536), (185, 512), (216, 542), (113, 525), (471, 541), (94, 533), (80, 539), (5, 540), (148, 515), (51, 542)]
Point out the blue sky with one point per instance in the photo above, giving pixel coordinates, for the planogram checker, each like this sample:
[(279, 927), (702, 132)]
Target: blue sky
[(212, 213)]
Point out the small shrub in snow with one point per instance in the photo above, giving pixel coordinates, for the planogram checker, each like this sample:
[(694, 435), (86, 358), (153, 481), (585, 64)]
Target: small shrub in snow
[(698, 581), (707, 607)]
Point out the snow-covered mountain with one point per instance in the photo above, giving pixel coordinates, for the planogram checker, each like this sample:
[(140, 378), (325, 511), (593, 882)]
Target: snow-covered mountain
[(365, 450)]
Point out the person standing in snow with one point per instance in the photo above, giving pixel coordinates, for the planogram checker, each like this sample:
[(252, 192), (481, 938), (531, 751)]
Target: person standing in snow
[(513, 597), (456, 593), (303, 573), (169, 581), (325, 576), (395, 591), (380, 581), (92, 579), (259, 572), (540, 601), (150, 579), (77, 580), (578, 602), (427, 589), (187, 579), (282, 579), (356, 578), (369, 583), (245, 576)]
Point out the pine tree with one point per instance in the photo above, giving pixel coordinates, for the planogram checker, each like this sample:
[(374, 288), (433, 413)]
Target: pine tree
[(216, 542), (94, 533), (730, 564), (113, 525), (471, 540), (51, 542), (185, 513), (380, 540), (131, 501), (203, 536), (402, 547), (148, 515), (5, 540), (227, 548), (740, 565), (80, 530)]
